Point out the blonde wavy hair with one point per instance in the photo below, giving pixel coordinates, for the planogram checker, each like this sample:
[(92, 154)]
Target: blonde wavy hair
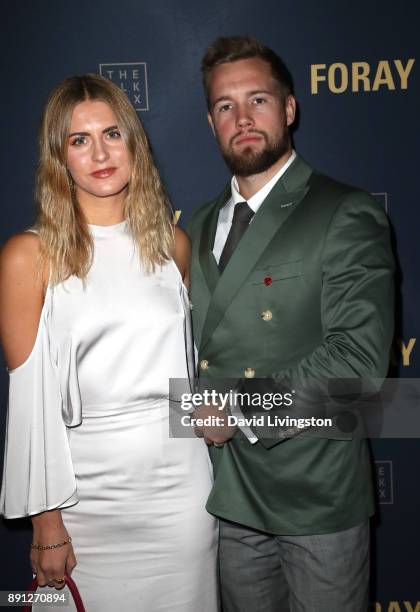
[(66, 245)]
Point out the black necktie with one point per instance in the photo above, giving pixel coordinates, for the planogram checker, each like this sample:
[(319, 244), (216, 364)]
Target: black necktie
[(242, 216)]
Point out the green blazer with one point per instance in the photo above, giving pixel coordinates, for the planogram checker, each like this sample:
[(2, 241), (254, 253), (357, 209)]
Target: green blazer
[(325, 248)]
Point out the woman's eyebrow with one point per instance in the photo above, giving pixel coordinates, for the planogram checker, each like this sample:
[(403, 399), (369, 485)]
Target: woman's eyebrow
[(106, 130)]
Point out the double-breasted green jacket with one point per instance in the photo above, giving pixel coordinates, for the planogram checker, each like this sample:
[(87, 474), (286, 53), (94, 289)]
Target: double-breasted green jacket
[(325, 249)]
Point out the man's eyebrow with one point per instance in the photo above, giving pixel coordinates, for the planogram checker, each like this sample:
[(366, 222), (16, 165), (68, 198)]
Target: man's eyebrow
[(105, 131), (268, 92), (253, 92)]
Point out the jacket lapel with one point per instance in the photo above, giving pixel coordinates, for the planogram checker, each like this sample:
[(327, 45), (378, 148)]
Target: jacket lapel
[(208, 263), (280, 203)]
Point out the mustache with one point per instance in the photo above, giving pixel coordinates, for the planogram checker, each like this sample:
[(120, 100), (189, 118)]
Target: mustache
[(242, 133)]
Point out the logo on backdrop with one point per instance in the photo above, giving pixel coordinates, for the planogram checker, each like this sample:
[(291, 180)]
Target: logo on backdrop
[(402, 352), (396, 606), (132, 78), (361, 76), (384, 482)]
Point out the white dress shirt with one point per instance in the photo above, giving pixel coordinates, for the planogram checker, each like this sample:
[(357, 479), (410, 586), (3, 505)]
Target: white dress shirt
[(224, 221)]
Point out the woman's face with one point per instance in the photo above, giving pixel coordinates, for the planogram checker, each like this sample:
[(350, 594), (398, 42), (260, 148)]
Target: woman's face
[(97, 157)]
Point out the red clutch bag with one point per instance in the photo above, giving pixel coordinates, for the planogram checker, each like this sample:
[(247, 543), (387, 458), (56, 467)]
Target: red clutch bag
[(72, 588)]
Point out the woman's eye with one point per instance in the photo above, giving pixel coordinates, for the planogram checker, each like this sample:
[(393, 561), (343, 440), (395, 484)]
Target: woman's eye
[(114, 134), (79, 140)]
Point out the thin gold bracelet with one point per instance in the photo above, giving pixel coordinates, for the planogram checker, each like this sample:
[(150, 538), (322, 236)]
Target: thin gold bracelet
[(50, 546)]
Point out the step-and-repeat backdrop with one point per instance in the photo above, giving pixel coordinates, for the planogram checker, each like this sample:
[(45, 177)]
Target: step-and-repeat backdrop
[(356, 69)]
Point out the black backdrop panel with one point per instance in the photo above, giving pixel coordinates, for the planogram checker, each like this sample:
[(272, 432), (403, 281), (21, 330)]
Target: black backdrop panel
[(361, 130)]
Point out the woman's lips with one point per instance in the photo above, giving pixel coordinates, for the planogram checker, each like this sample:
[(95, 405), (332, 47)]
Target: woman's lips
[(104, 173)]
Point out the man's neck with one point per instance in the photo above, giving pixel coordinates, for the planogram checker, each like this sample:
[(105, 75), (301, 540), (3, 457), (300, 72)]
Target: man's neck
[(250, 185)]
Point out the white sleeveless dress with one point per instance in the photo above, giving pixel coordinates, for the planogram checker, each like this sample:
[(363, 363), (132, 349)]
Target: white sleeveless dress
[(88, 433)]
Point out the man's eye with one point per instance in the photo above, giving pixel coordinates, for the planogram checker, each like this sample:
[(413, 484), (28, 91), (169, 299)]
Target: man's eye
[(224, 108), (259, 100)]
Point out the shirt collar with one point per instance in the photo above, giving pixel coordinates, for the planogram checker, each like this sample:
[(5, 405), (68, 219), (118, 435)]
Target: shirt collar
[(258, 198)]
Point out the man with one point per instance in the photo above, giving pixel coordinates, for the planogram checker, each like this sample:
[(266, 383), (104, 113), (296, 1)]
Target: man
[(291, 279)]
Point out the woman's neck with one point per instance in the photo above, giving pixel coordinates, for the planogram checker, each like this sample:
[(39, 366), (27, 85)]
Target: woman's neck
[(102, 211)]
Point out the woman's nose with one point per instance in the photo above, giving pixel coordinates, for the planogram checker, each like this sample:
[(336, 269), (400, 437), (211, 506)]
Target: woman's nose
[(100, 151)]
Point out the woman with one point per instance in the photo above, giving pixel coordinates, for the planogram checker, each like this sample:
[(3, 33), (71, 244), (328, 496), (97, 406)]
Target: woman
[(94, 321)]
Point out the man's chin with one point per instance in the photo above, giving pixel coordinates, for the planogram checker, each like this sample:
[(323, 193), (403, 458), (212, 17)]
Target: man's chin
[(248, 155), (248, 163)]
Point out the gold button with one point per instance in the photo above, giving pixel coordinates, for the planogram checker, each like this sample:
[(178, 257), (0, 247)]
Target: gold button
[(249, 372), (204, 364), (266, 315)]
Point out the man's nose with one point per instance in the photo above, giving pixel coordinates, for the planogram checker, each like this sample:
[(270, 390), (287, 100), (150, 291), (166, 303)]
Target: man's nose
[(244, 117)]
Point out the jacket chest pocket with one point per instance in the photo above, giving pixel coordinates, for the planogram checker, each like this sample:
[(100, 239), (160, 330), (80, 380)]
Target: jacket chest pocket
[(272, 273)]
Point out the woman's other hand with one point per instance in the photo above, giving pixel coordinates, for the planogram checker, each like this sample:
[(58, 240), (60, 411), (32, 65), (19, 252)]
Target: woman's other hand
[(51, 565)]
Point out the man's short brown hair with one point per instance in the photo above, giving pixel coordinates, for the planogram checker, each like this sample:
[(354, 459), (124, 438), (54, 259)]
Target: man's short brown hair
[(233, 48)]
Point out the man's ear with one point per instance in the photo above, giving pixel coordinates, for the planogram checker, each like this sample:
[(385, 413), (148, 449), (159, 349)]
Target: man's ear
[(290, 109), (210, 120)]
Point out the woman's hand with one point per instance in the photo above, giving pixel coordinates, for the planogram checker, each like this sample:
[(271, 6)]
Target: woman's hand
[(50, 565)]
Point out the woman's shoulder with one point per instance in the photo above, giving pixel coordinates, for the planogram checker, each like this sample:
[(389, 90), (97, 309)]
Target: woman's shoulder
[(182, 240), (20, 260), (20, 253), (182, 251)]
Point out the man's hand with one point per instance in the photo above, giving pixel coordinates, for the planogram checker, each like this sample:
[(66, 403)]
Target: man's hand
[(211, 423)]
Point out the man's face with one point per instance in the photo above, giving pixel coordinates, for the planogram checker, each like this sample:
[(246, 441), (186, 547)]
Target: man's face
[(248, 116)]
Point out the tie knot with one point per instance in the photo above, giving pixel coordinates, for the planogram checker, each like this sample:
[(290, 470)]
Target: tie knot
[(242, 213)]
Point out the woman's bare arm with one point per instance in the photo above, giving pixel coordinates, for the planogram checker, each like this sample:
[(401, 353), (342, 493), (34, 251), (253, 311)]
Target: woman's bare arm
[(22, 291)]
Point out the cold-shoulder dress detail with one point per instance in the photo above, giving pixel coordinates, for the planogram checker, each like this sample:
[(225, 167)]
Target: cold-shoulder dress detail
[(88, 433)]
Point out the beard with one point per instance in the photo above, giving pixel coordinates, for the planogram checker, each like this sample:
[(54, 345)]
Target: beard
[(250, 162)]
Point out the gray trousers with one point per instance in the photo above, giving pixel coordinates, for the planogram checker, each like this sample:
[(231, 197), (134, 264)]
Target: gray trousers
[(318, 573)]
